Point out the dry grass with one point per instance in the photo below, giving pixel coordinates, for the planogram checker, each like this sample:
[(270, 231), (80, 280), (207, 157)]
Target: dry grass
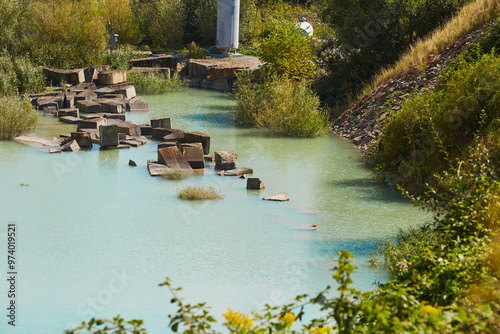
[(199, 192), (471, 17)]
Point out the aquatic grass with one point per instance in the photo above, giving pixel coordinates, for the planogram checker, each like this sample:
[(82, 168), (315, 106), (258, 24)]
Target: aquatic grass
[(155, 83), (16, 117), (175, 174), (199, 193), (471, 17)]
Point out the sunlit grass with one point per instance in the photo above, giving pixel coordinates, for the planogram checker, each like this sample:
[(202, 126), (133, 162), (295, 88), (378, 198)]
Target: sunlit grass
[(199, 192)]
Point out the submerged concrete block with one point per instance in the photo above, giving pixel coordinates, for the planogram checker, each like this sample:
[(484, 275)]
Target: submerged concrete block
[(255, 183), (161, 122), (225, 160), (193, 154), (112, 77), (173, 158), (108, 135)]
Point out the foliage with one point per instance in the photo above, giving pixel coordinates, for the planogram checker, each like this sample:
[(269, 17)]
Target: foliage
[(199, 192), (196, 52), (163, 22), (434, 128), (116, 325), (67, 34), (281, 106), (155, 83), (19, 76), (125, 24), (16, 117), (370, 35), (13, 24), (286, 52)]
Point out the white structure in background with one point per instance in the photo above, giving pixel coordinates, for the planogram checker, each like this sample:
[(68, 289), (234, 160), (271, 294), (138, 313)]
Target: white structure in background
[(228, 25), (305, 27)]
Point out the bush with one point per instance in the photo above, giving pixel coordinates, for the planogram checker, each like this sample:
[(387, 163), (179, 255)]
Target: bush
[(199, 193), (155, 83), (281, 106), (19, 76), (125, 24), (16, 117), (288, 53)]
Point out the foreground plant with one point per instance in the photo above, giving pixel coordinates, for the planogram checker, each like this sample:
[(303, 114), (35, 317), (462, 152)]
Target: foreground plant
[(175, 174), (16, 117)]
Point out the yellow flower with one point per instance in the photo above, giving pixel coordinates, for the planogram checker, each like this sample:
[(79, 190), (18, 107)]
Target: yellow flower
[(288, 319), (321, 330), (237, 320)]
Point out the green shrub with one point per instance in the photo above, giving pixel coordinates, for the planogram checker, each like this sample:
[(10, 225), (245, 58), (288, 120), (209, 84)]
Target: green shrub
[(16, 117), (286, 52), (155, 83), (19, 76), (199, 193), (281, 106)]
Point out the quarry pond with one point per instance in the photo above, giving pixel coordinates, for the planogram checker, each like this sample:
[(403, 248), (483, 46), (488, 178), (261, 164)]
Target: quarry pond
[(96, 236)]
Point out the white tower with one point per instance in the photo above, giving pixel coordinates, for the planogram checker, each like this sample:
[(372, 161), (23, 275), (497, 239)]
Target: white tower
[(228, 25)]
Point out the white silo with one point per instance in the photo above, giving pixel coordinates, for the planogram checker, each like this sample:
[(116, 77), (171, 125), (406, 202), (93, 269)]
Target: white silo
[(228, 25)]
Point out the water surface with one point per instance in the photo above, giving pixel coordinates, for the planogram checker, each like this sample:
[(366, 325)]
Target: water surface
[(96, 237)]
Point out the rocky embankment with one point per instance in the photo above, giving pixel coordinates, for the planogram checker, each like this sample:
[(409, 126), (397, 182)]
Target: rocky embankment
[(365, 120)]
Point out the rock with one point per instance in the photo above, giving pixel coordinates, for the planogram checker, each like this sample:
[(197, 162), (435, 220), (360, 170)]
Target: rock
[(129, 128), (69, 99), (238, 171), (166, 61), (108, 135), (138, 106), (50, 111), (198, 137), (38, 141), (193, 154), (142, 139), (160, 133), (255, 183), (114, 106), (91, 123), (119, 147), (168, 144), (281, 197), (146, 130), (112, 77), (131, 142), (157, 169), (88, 106), (73, 77), (86, 95), (70, 146), (83, 139), (74, 112), (225, 160), (127, 91), (175, 136), (53, 150), (173, 158), (209, 157), (120, 117), (161, 122), (165, 71), (132, 163), (104, 91), (70, 119)]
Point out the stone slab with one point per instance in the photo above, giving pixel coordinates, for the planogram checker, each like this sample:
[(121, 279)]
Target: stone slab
[(157, 169), (112, 77), (88, 106), (198, 137), (108, 135), (255, 183), (281, 197), (70, 119), (75, 112), (138, 106), (91, 123), (161, 122), (238, 171), (225, 159), (194, 155)]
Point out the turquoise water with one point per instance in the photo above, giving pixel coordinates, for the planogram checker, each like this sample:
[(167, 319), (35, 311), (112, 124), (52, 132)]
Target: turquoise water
[(96, 237)]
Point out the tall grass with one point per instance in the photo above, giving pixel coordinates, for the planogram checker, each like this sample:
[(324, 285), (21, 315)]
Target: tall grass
[(155, 83), (472, 16), (16, 117)]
